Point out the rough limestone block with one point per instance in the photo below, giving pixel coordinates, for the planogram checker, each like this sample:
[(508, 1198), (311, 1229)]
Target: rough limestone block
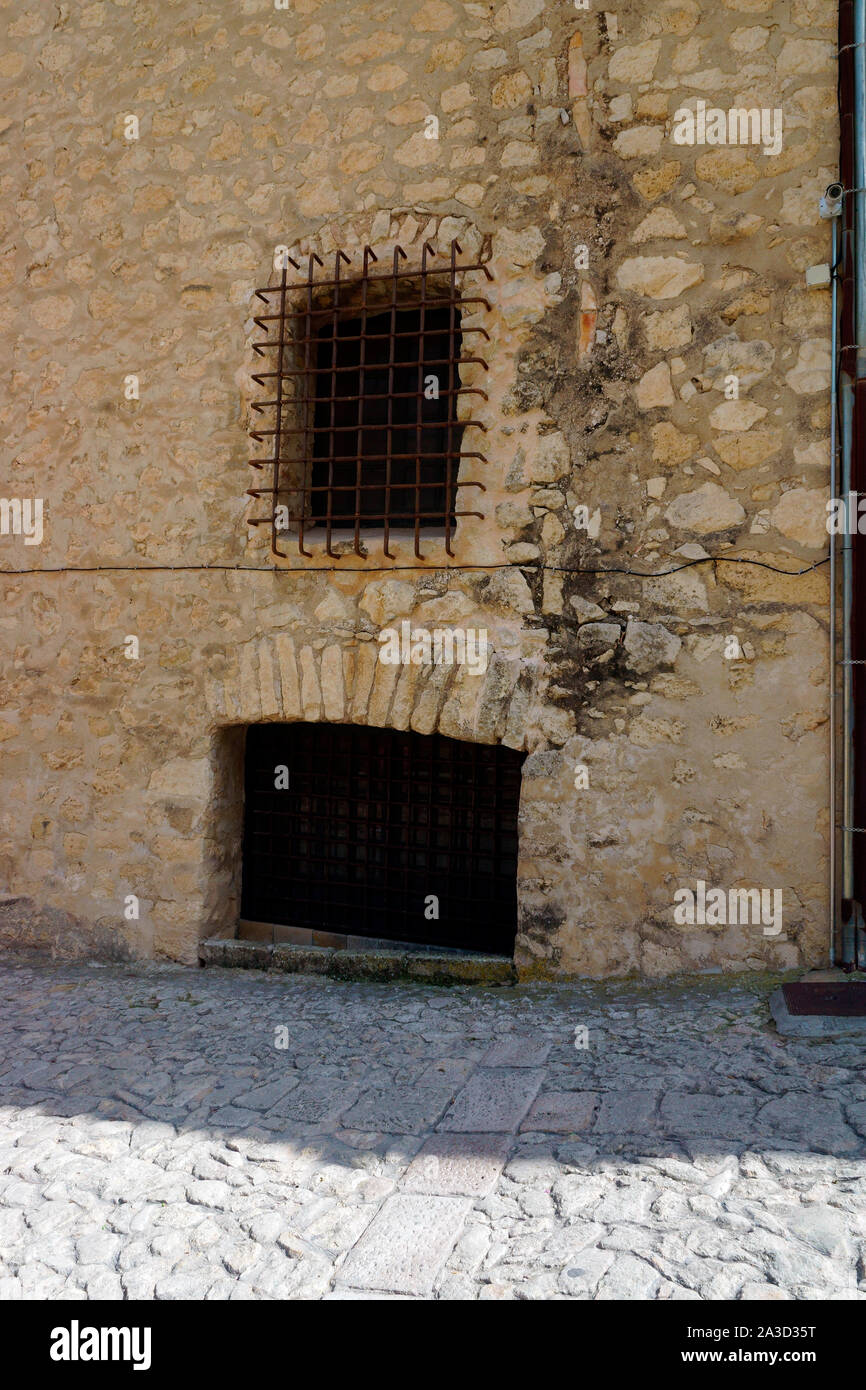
[(365, 671), (269, 700), (333, 695), (182, 777), (518, 715), (404, 697), (384, 683), (291, 691), (311, 695), (499, 682), (250, 695), (428, 704)]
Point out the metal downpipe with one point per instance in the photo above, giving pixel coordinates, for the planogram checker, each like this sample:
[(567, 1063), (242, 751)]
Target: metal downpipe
[(834, 391), (857, 245)]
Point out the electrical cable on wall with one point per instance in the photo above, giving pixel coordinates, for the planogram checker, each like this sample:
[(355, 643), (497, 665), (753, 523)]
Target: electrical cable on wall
[(389, 569)]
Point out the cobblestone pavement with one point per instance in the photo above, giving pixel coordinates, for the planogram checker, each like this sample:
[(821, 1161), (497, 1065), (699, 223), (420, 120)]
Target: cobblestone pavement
[(157, 1142)]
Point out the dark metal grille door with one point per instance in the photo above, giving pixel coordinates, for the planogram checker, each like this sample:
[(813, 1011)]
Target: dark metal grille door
[(373, 824)]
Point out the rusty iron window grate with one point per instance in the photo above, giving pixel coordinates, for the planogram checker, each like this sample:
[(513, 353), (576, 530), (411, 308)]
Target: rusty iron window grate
[(362, 383), (374, 822)]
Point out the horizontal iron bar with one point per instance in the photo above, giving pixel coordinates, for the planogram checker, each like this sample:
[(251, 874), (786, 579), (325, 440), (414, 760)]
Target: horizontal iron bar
[(385, 337), (359, 338), (372, 521), (322, 340), (376, 458), (381, 276), (312, 371), (393, 396), (359, 429), (349, 312), (367, 523), (360, 487)]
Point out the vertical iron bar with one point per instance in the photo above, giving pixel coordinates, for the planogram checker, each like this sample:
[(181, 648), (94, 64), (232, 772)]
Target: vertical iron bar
[(369, 255), (399, 254), (278, 424), (335, 323), (449, 462), (307, 464), (419, 410)]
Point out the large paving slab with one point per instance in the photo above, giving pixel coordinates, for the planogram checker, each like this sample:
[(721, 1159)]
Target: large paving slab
[(406, 1244), (562, 1112), (494, 1100), (460, 1164), (415, 1142)]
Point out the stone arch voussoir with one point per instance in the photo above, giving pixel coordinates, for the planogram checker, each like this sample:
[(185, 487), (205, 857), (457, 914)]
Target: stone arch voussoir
[(279, 679)]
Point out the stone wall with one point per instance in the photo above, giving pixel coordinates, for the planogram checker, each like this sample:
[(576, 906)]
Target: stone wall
[(606, 388)]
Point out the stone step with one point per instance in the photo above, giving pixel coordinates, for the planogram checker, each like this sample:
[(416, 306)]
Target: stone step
[(446, 968)]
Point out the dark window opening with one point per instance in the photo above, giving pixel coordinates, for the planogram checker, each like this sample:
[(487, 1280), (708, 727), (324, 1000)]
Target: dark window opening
[(375, 827), (386, 439)]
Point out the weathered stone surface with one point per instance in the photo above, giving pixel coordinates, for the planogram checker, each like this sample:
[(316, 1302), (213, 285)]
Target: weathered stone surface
[(657, 180), (812, 372), (748, 361), (697, 1115), (820, 1124), (708, 508), (561, 1112), (552, 458), (660, 223), (736, 415), (596, 638), (748, 450), (647, 645), (670, 446), (730, 170), (801, 515), (166, 1134), (181, 777), (627, 1112), (631, 277), (654, 388), (465, 1165), (659, 277), (406, 1244), (638, 142), (521, 1050), (494, 1101), (669, 328), (586, 610), (765, 586), (634, 62), (397, 1113)]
